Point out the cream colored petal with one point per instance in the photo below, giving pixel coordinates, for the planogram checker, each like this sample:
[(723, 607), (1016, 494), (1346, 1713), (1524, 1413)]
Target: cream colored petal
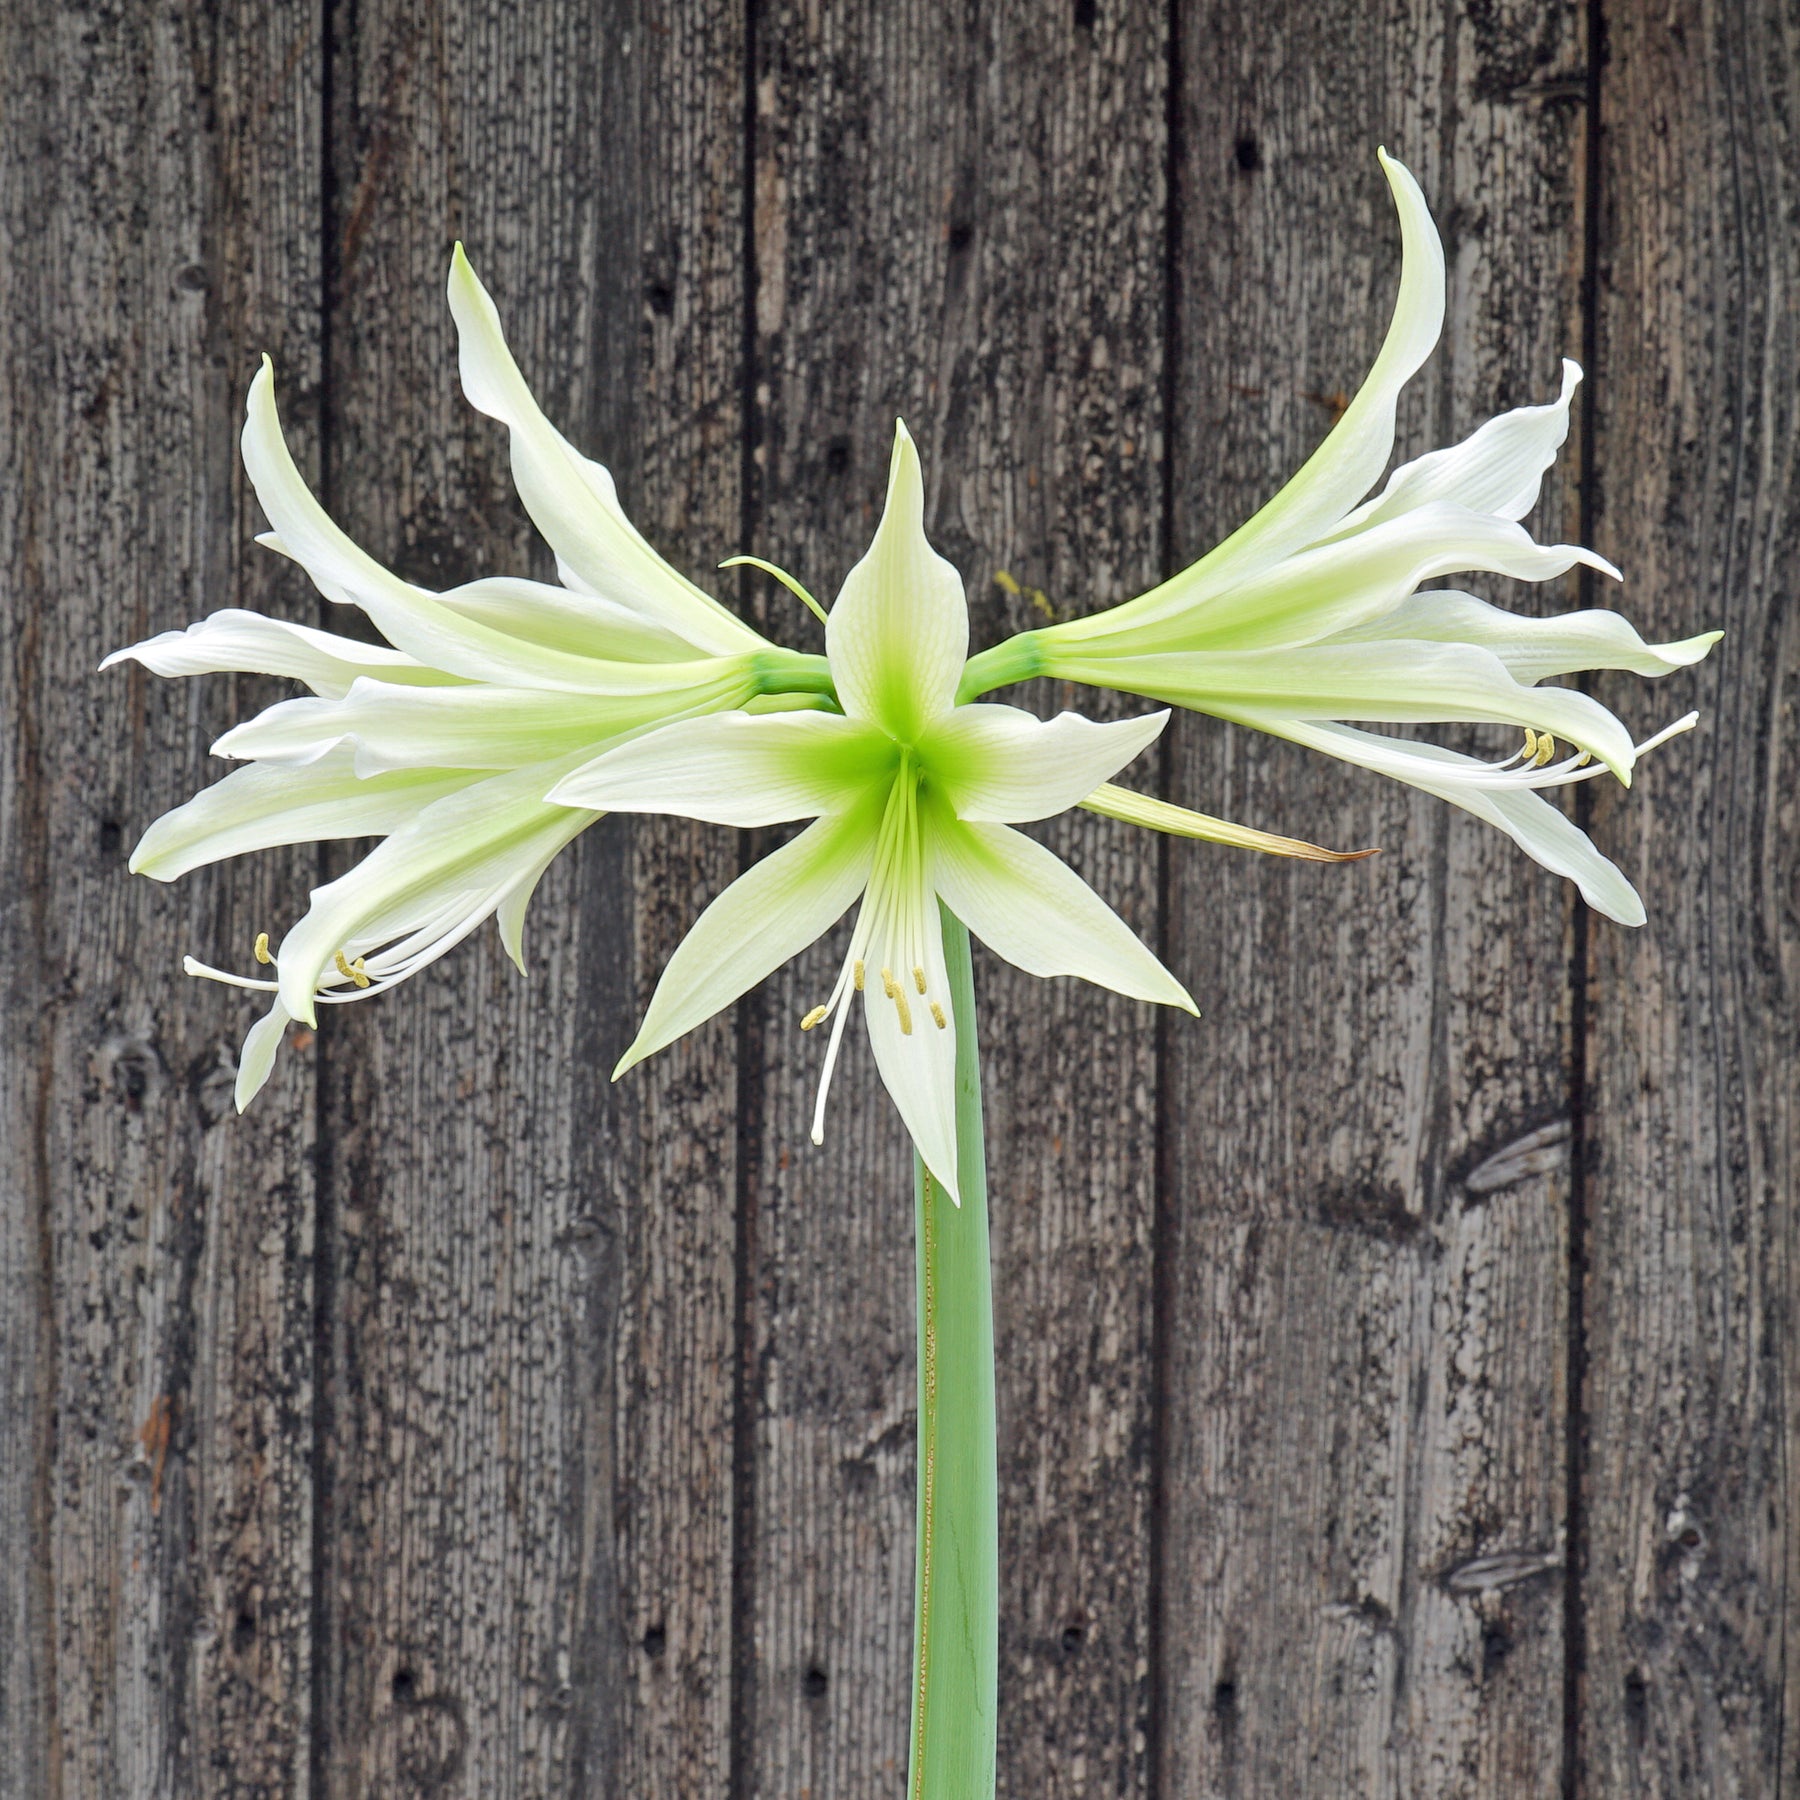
[(999, 763), (1385, 683), (471, 727), (1351, 459), (1030, 907), (234, 640), (898, 633), (918, 1067), (428, 885), (738, 769), (769, 914), (573, 501), (1532, 649), (266, 804), (1497, 469)]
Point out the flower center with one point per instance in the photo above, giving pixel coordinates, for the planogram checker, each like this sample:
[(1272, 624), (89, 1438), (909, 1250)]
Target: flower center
[(891, 930)]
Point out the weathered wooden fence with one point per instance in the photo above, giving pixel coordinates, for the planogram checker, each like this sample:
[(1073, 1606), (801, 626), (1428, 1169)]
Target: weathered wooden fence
[(1400, 1386)]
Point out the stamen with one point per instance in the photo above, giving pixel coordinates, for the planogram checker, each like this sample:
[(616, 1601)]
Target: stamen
[(1586, 757), (856, 974), (937, 1017), (352, 971), (815, 1017), (889, 985), (1530, 749), (262, 948), (1546, 749), (918, 978), (905, 1012)]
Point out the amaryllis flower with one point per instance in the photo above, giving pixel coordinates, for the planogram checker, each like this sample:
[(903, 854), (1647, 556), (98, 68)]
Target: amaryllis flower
[(914, 798), (1307, 622), (445, 739)]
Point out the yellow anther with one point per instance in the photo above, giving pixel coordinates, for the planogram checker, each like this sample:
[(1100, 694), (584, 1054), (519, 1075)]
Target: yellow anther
[(1546, 750), (1586, 757), (889, 986), (905, 1010), (814, 1017), (352, 971), (856, 974), (1530, 744), (918, 978), (937, 1017), (262, 948)]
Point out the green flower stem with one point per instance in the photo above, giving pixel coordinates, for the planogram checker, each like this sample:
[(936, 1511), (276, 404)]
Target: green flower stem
[(1018, 659), (956, 1639)]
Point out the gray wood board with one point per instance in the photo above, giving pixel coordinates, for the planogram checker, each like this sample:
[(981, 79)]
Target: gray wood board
[(459, 1422), (1689, 1645), (160, 208)]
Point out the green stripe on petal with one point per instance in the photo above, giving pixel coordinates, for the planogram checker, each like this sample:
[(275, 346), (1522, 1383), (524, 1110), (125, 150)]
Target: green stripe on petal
[(739, 769), (1030, 907), (899, 630), (999, 763), (770, 913)]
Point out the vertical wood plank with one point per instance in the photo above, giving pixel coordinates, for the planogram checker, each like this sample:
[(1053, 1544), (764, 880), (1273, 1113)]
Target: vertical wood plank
[(158, 214), (1362, 1497), (1690, 1639), (960, 219), (531, 1284)]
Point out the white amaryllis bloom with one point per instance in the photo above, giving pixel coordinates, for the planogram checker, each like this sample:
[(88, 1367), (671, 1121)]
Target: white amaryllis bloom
[(446, 739), (1308, 617), (913, 798)]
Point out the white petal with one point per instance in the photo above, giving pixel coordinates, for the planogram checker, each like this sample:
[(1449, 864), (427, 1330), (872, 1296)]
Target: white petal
[(472, 727), (770, 913), (1335, 587), (572, 501), (560, 618), (1030, 907), (435, 880), (1402, 682), (899, 631), (1351, 459), (257, 1058), (1498, 469), (235, 640), (997, 762), (738, 769), (1532, 649), (258, 807), (509, 915), (1544, 834), (918, 1068), (407, 616)]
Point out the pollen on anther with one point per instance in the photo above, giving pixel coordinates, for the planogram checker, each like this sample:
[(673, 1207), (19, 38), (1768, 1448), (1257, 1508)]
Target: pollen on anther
[(1546, 749), (905, 1011), (918, 978), (352, 971), (889, 986), (262, 948), (815, 1017), (856, 974), (937, 1017), (1586, 757), (1530, 749)]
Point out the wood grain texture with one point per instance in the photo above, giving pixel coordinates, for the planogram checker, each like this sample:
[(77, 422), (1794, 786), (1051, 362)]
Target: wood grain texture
[(1689, 1646), (1364, 1348), (155, 1291), (531, 1292), (459, 1423), (960, 219)]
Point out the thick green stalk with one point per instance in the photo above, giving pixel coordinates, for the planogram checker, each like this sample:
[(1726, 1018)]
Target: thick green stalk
[(956, 1635)]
